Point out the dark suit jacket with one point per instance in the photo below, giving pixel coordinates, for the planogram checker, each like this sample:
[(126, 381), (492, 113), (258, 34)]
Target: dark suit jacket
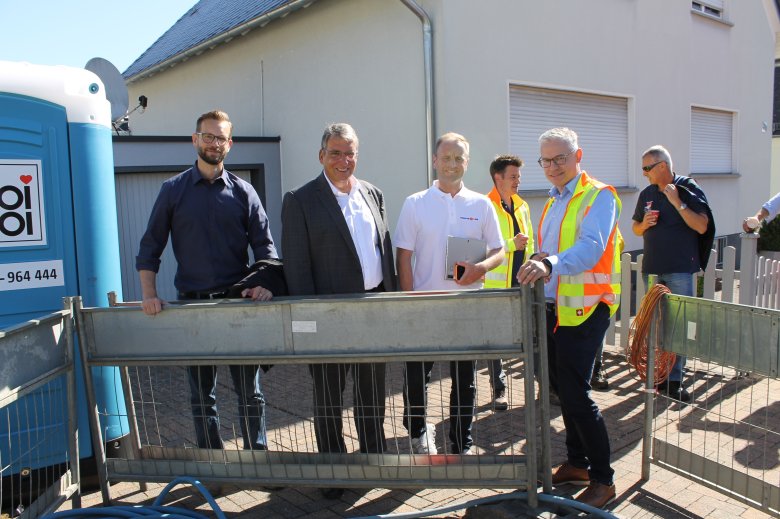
[(318, 252)]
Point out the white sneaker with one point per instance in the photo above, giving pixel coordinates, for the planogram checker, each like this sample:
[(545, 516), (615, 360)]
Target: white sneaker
[(426, 443)]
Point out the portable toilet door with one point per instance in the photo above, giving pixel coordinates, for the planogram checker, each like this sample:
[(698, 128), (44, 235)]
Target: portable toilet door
[(58, 237)]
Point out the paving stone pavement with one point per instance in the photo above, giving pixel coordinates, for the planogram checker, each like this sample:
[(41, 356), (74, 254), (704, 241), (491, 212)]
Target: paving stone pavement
[(665, 495)]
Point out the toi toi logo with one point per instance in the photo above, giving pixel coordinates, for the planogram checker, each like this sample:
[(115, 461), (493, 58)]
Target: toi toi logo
[(21, 209)]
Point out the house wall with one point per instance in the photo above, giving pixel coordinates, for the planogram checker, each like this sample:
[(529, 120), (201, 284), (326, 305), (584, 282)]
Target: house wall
[(350, 60), (361, 61)]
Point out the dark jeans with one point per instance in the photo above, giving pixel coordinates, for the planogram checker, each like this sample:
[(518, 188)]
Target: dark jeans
[(462, 395), (369, 395), (572, 352), (251, 405), (680, 283), (497, 376)]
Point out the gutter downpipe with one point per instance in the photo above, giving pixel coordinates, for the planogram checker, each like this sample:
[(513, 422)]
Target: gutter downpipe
[(428, 65)]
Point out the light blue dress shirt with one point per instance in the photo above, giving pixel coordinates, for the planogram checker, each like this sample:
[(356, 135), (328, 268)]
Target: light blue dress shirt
[(593, 234), (772, 206)]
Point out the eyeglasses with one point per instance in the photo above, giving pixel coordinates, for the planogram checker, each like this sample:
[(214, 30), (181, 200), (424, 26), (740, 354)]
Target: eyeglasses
[(338, 155), (647, 169), (209, 138), (559, 160)]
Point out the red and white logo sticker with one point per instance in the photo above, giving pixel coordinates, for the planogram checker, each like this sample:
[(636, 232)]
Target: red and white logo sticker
[(21, 204)]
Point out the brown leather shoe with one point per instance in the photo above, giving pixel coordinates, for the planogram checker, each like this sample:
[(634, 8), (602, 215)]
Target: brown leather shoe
[(597, 495), (570, 474)]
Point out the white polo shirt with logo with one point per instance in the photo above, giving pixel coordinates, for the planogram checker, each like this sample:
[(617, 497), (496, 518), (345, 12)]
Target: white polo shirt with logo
[(428, 217)]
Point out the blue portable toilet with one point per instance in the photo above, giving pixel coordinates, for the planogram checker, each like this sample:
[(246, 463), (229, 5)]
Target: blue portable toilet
[(58, 237)]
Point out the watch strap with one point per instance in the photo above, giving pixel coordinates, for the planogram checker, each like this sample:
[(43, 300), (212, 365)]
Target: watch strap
[(547, 264)]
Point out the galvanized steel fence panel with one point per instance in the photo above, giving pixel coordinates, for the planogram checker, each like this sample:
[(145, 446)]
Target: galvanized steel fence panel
[(728, 437), (39, 438), (291, 332)]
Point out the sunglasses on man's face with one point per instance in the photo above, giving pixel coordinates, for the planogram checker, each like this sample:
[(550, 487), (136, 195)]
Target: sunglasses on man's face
[(647, 169)]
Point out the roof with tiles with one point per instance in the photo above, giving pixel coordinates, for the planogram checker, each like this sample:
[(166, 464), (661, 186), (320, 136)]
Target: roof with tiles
[(205, 22)]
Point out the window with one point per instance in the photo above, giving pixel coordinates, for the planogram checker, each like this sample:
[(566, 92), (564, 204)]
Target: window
[(711, 140), (708, 7), (601, 122)]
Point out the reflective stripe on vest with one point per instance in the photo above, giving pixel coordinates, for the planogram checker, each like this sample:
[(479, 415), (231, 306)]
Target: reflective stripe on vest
[(500, 277), (579, 294)]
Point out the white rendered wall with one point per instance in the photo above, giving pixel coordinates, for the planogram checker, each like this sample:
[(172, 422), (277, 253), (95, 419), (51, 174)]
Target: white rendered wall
[(360, 61)]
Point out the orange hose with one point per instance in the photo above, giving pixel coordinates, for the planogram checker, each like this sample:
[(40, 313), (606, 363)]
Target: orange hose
[(638, 335)]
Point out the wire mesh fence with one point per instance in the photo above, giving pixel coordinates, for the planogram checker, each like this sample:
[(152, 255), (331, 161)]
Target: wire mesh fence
[(38, 434), (728, 436), (162, 401)]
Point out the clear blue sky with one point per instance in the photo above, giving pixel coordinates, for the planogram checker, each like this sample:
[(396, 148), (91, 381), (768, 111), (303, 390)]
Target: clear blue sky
[(71, 32)]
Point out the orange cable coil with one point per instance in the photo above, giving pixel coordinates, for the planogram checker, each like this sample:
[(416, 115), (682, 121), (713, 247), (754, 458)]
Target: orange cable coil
[(639, 331)]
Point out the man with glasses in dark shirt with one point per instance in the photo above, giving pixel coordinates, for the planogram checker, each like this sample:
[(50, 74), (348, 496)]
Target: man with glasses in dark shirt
[(212, 217)]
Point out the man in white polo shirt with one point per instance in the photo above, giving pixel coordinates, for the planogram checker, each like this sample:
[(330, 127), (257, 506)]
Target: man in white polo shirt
[(427, 218)]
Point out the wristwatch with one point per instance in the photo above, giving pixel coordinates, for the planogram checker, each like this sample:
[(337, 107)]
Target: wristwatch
[(547, 264), (682, 207)]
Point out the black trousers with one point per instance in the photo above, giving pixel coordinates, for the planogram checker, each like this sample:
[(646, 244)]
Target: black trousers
[(369, 394), (463, 391)]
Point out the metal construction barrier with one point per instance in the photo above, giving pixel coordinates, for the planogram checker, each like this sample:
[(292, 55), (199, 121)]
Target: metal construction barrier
[(37, 363), (290, 334), (728, 438)]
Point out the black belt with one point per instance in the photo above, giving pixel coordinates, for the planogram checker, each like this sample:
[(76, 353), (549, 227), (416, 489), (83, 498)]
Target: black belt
[(203, 295)]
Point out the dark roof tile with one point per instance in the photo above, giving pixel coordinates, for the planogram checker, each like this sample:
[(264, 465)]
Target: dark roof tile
[(205, 20)]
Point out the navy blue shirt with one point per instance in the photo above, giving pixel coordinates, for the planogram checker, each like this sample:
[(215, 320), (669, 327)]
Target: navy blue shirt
[(670, 246), (211, 227)]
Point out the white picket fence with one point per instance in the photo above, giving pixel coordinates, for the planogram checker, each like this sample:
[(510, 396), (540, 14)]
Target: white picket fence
[(756, 284)]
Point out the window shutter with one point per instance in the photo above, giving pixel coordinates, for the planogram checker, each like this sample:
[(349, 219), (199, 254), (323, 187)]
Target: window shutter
[(709, 7), (601, 123), (717, 4), (711, 141)]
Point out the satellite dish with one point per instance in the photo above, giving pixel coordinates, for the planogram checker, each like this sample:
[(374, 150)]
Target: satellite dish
[(116, 90)]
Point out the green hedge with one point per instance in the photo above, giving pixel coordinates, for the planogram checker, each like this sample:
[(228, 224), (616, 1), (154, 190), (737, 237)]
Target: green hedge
[(769, 235)]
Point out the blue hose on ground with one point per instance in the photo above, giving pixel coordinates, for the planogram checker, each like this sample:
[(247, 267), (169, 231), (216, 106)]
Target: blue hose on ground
[(156, 509), (545, 498)]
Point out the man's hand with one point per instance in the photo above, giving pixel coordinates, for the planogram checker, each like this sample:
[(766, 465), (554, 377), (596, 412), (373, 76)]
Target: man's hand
[(520, 240), (671, 194), (471, 274), (751, 223), (152, 305), (649, 220), (533, 269), (257, 294)]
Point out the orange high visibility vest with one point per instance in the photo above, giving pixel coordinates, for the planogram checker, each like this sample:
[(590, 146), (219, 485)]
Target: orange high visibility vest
[(579, 294)]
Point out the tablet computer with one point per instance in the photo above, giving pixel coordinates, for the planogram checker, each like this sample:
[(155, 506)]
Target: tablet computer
[(471, 250)]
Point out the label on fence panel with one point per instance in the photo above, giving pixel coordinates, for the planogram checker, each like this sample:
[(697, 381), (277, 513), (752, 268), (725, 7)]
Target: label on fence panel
[(304, 326), (34, 274)]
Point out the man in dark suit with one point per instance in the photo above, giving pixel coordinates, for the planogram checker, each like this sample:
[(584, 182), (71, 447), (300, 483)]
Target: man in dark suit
[(335, 240)]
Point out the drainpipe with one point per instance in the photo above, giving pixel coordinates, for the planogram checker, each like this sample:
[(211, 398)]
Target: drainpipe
[(428, 64)]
